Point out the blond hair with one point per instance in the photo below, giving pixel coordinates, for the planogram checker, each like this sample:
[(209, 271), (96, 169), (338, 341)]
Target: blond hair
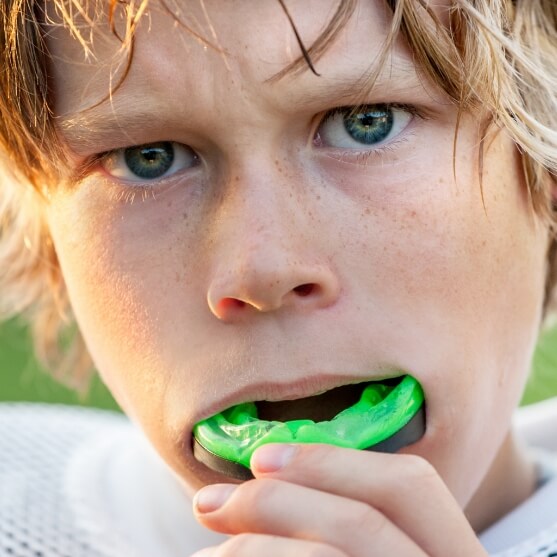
[(497, 54)]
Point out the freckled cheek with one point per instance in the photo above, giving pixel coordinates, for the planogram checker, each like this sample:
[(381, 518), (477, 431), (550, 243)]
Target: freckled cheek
[(467, 292), (434, 237), (416, 247), (120, 269), (439, 265)]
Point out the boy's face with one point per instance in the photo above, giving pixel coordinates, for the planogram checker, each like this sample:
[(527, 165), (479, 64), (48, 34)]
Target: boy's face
[(283, 254)]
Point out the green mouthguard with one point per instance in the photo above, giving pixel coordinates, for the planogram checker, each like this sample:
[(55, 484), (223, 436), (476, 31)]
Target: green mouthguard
[(382, 410)]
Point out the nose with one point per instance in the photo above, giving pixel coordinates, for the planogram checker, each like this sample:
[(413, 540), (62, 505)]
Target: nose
[(264, 284), (269, 258)]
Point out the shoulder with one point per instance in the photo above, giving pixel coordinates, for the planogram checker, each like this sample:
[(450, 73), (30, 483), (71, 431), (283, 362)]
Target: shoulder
[(60, 415), (537, 424), (40, 435), (531, 528), (38, 438), (38, 443), (88, 483)]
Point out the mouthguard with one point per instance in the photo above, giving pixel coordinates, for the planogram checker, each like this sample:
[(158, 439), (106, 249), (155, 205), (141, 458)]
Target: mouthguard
[(386, 418)]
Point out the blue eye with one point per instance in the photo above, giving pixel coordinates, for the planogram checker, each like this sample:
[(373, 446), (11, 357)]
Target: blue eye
[(150, 161), (371, 126)]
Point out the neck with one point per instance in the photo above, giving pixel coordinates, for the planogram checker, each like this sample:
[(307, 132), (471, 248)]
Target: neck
[(510, 481)]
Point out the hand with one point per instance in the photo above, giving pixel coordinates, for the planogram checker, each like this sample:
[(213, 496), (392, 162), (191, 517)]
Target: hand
[(320, 500)]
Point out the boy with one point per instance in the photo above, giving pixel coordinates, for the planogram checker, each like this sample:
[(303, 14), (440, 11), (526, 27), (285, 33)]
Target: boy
[(231, 223)]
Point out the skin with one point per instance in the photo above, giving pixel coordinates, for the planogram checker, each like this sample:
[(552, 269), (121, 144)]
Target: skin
[(189, 296)]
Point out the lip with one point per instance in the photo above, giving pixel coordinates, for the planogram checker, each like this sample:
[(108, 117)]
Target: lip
[(273, 391), (385, 418)]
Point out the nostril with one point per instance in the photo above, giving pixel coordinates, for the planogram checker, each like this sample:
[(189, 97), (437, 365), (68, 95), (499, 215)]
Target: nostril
[(304, 290), (231, 303), (270, 296)]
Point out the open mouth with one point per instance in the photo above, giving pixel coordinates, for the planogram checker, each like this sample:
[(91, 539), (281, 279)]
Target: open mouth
[(319, 408), (380, 415)]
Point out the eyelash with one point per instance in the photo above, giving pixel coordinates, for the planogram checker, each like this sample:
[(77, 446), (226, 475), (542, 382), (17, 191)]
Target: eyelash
[(123, 193), (127, 194), (365, 155)]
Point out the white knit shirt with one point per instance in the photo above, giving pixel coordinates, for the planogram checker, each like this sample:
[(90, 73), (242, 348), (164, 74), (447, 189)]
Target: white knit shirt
[(80, 482)]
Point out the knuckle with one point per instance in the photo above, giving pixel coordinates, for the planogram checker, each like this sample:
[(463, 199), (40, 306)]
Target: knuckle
[(362, 519), (257, 494), (416, 469)]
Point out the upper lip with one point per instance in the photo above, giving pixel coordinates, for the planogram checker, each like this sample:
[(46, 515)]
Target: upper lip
[(273, 391)]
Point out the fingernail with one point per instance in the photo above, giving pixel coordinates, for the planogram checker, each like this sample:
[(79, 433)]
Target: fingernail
[(271, 458), (212, 497)]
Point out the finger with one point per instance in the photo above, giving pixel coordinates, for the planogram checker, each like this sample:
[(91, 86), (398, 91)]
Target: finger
[(284, 509), (405, 488), (255, 545)]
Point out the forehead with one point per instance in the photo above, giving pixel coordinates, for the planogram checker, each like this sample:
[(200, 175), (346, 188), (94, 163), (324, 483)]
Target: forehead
[(233, 33), (219, 54), (210, 25)]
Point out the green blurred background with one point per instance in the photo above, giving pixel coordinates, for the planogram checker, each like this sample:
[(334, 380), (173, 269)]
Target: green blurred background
[(22, 379)]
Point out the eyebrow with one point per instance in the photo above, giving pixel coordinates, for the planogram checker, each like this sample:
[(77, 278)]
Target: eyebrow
[(123, 119), (402, 78), (107, 122)]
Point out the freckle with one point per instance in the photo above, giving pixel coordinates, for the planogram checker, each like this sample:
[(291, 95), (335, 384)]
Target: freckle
[(368, 211), (237, 178), (184, 216)]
